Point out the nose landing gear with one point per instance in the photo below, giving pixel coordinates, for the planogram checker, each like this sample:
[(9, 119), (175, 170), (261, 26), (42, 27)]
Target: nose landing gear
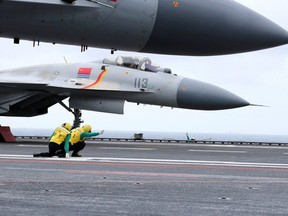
[(77, 118), (76, 112)]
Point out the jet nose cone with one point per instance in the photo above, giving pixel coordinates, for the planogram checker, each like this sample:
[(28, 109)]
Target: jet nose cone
[(193, 94), (247, 31), (204, 28)]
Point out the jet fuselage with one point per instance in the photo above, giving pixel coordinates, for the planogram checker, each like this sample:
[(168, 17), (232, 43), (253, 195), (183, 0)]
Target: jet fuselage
[(182, 27), (104, 86)]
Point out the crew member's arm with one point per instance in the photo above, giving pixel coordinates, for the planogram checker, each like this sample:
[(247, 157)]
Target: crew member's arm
[(51, 136), (85, 134), (66, 144)]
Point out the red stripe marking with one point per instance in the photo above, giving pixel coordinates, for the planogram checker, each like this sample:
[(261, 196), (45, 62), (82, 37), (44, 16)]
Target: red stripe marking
[(132, 173), (276, 169), (98, 80)]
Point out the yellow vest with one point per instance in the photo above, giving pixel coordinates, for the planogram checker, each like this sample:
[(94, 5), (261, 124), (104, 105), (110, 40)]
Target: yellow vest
[(59, 135), (75, 135)]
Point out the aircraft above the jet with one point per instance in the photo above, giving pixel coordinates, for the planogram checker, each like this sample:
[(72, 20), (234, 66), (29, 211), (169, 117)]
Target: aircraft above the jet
[(104, 86), (176, 27)]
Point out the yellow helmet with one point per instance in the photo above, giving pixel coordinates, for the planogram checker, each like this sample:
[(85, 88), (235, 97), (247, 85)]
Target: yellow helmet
[(87, 128), (67, 125)]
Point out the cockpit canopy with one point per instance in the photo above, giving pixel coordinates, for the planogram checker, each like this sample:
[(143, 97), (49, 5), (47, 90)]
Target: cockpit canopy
[(139, 63)]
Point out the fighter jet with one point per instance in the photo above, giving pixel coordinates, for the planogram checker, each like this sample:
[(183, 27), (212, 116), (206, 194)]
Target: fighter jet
[(104, 86), (177, 27)]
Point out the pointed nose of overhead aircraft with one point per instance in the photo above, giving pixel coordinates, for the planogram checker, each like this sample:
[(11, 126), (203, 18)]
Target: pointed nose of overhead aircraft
[(193, 94), (211, 27)]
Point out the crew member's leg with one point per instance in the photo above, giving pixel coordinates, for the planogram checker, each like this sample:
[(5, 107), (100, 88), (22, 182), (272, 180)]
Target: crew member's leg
[(59, 150), (78, 147), (53, 147)]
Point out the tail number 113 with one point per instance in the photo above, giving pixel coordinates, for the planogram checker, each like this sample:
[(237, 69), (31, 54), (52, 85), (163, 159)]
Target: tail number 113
[(141, 83)]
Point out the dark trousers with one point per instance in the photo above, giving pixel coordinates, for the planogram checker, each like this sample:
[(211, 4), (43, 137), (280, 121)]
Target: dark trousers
[(77, 147), (54, 150)]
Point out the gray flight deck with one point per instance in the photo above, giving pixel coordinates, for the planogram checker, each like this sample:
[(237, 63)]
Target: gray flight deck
[(140, 178)]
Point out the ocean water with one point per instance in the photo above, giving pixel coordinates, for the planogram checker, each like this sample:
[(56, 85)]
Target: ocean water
[(233, 137)]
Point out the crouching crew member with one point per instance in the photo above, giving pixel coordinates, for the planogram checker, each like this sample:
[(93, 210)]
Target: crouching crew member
[(60, 136), (77, 139)]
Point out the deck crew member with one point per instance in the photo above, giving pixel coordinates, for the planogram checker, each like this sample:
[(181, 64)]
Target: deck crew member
[(77, 139), (60, 136)]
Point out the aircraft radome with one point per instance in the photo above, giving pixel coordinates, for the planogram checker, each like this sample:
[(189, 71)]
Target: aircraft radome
[(104, 86), (177, 27)]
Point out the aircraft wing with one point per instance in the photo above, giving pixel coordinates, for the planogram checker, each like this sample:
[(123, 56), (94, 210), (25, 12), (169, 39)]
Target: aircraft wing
[(33, 97), (15, 102)]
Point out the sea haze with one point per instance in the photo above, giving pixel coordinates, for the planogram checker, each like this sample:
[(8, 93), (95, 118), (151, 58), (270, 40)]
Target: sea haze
[(233, 137)]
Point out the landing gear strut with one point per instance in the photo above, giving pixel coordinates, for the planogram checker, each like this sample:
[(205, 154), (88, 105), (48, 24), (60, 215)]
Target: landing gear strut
[(77, 118), (77, 114)]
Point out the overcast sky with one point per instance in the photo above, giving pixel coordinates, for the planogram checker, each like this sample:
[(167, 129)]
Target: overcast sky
[(259, 77)]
